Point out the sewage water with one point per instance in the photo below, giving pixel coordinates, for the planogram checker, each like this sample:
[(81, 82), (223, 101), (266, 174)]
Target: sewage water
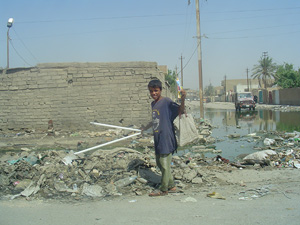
[(246, 122)]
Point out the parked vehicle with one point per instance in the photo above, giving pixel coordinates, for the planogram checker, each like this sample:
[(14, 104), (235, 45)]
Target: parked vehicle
[(244, 100)]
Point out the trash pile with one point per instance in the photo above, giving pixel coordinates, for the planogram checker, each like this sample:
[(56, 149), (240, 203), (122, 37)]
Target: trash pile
[(110, 173), (281, 151), (131, 170), (103, 173)]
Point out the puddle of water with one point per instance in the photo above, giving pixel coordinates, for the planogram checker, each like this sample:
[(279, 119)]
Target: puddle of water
[(246, 122)]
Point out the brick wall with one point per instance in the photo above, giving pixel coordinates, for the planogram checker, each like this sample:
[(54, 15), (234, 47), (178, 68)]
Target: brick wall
[(74, 94)]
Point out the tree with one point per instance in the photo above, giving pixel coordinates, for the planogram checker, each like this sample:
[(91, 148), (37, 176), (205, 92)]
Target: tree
[(265, 69), (171, 78), (209, 90), (287, 77)]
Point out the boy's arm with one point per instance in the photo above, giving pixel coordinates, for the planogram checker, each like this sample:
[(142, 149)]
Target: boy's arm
[(147, 126), (143, 128), (181, 107)]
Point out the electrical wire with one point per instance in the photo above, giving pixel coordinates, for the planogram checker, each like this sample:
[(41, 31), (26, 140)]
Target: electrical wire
[(107, 30), (155, 15), (160, 15), (257, 36), (166, 15), (256, 10), (243, 11), (189, 60), (250, 17), (259, 28), (26, 46), (10, 41), (102, 18), (188, 19)]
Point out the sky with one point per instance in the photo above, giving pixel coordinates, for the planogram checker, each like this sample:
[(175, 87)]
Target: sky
[(234, 34)]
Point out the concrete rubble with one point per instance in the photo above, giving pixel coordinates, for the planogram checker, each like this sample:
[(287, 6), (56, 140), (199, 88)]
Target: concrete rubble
[(130, 170), (281, 108), (278, 149)]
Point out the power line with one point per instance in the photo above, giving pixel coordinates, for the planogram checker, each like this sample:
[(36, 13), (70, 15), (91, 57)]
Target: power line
[(154, 15), (99, 31), (259, 28), (25, 46), (102, 18), (189, 60), (256, 36), (19, 54), (249, 17), (188, 21), (257, 10)]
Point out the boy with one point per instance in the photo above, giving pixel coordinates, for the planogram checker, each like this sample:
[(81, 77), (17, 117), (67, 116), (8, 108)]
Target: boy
[(164, 111)]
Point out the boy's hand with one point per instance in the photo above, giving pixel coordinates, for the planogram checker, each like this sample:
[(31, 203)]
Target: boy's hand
[(142, 128), (183, 94)]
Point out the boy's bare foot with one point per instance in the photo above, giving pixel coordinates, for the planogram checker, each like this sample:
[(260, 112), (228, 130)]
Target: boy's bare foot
[(172, 190), (158, 193)]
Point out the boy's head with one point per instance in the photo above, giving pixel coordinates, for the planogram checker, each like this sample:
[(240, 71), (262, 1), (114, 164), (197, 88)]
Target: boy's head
[(155, 87), (155, 84)]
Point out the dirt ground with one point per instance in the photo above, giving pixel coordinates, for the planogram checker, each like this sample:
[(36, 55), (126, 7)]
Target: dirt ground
[(242, 196), (251, 197)]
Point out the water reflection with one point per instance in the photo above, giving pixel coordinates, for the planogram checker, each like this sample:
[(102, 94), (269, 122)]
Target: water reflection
[(228, 122), (254, 121)]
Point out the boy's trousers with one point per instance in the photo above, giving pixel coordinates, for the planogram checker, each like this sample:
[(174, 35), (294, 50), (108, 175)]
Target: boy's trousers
[(164, 164)]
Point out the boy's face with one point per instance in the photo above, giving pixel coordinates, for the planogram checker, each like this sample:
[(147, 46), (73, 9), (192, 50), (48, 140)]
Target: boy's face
[(155, 93)]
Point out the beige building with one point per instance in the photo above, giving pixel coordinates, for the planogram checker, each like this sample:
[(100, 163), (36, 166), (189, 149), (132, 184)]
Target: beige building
[(231, 85), (163, 68), (192, 95)]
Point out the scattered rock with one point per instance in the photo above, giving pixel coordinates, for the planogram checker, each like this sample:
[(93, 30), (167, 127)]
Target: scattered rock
[(261, 155), (197, 180), (189, 199), (92, 190), (234, 136)]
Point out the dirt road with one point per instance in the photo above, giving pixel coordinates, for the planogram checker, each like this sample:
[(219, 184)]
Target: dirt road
[(252, 197)]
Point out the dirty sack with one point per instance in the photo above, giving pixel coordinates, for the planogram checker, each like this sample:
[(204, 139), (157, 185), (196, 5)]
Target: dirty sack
[(261, 155), (185, 128)]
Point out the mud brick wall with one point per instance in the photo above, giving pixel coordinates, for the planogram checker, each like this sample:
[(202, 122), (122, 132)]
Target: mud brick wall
[(289, 96), (74, 94)]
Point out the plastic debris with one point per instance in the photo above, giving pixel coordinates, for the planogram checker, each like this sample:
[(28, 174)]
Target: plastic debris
[(92, 190), (269, 141), (216, 195), (261, 155), (189, 199), (126, 181)]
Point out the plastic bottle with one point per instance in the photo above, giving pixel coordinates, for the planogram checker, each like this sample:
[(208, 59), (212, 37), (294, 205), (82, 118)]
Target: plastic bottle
[(126, 181), (75, 187)]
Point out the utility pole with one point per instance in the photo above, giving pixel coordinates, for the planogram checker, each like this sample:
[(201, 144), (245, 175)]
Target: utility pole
[(225, 87), (247, 70), (181, 79), (199, 59), (7, 49), (9, 25)]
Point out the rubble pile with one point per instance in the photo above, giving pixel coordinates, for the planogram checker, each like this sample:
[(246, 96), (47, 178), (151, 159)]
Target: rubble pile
[(132, 170), (103, 173), (281, 108), (110, 173), (283, 150)]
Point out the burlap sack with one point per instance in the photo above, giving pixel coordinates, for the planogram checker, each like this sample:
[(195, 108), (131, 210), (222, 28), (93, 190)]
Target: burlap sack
[(186, 131)]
